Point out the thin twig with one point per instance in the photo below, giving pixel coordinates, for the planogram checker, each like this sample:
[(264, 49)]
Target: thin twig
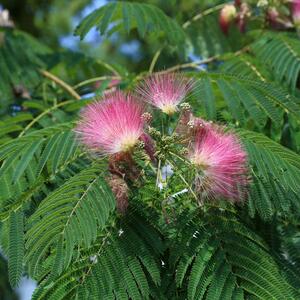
[(97, 254), (45, 112), (194, 64), (108, 67), (154, 60), (95, 79), (184, 181), (61, 83)]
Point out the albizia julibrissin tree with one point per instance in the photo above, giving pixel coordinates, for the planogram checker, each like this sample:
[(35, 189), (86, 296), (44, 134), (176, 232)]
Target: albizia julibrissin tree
[(178, 182)]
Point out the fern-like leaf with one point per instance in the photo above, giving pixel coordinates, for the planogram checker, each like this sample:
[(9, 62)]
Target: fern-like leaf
[(69, 217), (247, 98), (121, 264), (223, 258), (281, 52), (146, 18)]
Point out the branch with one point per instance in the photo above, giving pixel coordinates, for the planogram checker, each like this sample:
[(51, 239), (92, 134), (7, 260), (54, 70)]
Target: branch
[(45, 112), (61, 83), (154, 60), (184, 26), (202, 14), (194, 64), (95, 79), (108, 67)]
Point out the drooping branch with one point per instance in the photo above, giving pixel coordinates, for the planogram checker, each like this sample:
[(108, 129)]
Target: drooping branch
[(61, 83)]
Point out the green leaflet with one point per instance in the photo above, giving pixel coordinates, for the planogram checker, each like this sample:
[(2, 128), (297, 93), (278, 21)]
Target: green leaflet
[(16, 247), (281, 52), (228, 260)]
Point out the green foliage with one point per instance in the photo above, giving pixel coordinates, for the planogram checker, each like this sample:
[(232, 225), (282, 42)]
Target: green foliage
[(64, 218), (18, 49), (281, 52), (16, 247), (247, 99), (146, 18), (128, 252), (276, 175), (219, 258)]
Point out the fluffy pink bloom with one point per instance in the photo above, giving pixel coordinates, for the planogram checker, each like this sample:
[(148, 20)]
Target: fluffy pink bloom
[(111, 125), (165, 91), (296, 12), (222, 164)]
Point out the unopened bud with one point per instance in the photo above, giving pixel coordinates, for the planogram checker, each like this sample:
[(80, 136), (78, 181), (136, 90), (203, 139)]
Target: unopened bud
[(140, 145), (184, 151), (147, 117), (191, 123), (154, 132), (227, 15), (185, 106), (237, 3), (161, 156), (272, 14)]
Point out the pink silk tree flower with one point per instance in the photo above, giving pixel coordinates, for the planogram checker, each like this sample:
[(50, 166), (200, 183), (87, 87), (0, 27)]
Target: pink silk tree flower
[(296, 12), (165, 91), (111, 125), (221, 163)]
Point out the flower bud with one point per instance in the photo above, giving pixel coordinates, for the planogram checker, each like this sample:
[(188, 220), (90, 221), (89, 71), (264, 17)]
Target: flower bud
[(262, 3), (147, 117), (244, 13), (227, 15), (185, 106), (237, 3), (272, 14)]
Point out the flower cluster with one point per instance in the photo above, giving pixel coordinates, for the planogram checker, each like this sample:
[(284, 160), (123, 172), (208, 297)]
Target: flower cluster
[(118, 124), (279, 15)]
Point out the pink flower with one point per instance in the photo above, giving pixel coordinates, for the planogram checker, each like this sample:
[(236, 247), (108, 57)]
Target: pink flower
[(296, 12), (165, 91), (111, 125), (221, 164)]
